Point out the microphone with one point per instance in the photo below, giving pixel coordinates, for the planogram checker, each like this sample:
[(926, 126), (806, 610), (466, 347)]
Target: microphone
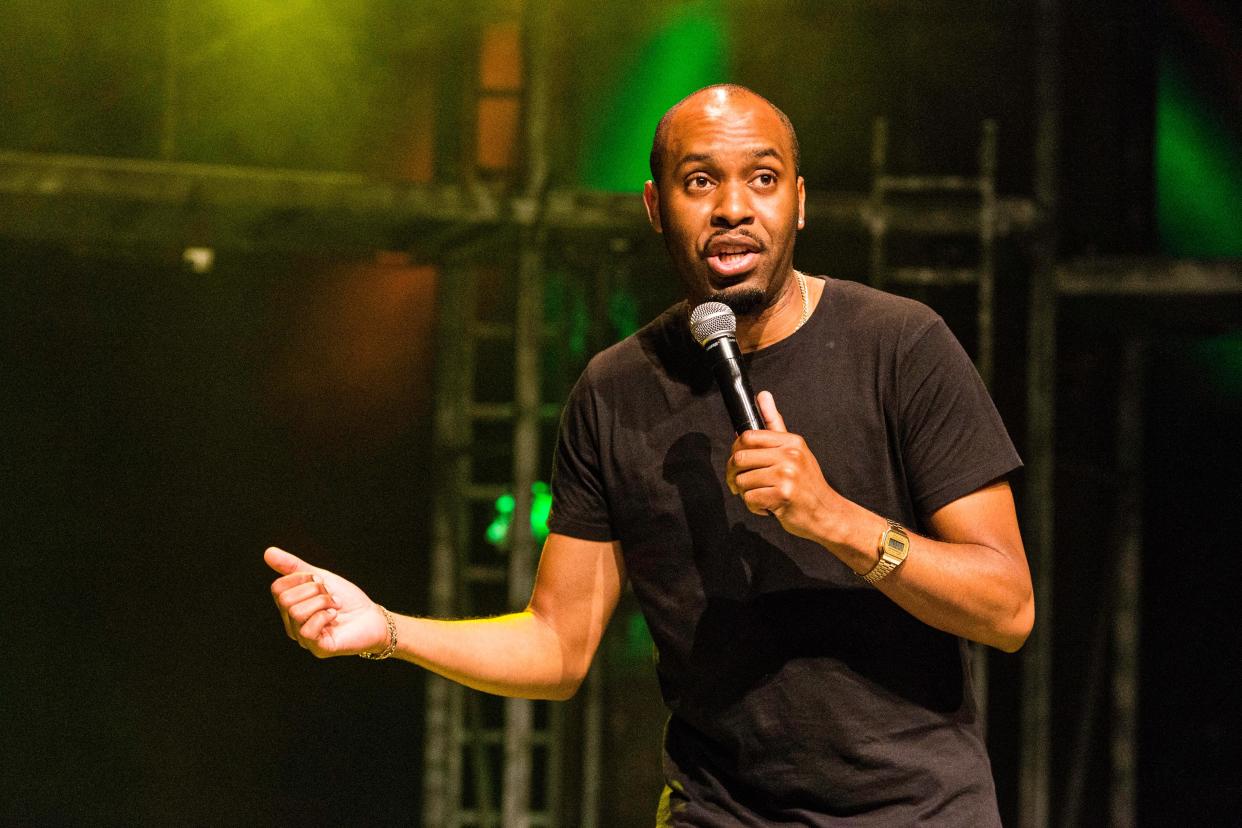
[(712, 324)]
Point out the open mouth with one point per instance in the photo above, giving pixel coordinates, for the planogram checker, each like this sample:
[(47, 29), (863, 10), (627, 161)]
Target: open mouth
[(729, 257), (731, 264)]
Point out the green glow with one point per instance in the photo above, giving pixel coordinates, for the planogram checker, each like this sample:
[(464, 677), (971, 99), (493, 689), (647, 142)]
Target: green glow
[(623, 312), (268, 82), (638, 644), (540, 508), (1198, 172), (685, 52), (497, 532), (1220, 359)]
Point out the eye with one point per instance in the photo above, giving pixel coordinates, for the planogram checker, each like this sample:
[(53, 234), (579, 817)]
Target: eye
[(698, 181), (765, 179)]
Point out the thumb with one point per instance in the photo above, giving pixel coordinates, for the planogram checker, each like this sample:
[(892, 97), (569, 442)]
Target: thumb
[(767, 407), (283, 562)]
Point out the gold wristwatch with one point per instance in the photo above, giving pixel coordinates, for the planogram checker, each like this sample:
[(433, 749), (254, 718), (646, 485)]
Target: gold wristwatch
[(894, 546)]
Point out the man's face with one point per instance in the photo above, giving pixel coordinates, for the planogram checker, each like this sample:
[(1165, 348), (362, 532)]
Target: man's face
[(729, 201)]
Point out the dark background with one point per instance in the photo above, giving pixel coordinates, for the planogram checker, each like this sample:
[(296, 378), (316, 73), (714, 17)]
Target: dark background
[(161, 426)]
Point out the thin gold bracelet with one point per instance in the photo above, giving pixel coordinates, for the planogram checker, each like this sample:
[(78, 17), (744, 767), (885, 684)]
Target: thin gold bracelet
[(392, 639)]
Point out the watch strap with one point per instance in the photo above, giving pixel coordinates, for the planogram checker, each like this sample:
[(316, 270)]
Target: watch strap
[(894, 546)]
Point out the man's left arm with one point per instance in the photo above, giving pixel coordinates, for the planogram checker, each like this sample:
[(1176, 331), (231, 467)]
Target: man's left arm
[(971, 580)]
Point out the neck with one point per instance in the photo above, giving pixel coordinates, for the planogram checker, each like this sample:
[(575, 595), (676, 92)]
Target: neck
[(775, 322)]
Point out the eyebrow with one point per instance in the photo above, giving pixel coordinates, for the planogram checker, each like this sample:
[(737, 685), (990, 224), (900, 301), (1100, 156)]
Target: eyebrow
[(691, 158), (767, 152), (755, 154)]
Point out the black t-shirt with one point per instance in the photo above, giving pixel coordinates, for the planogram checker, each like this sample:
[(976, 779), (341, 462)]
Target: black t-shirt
[(797, 693)]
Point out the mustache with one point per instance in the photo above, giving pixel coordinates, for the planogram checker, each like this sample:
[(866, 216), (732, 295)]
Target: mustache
[(732, 235)]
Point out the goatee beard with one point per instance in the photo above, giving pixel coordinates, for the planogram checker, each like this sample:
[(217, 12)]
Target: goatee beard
[(745, 302)]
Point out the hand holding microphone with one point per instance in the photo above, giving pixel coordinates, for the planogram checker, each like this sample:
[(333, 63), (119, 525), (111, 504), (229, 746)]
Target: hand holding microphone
[(771, 469), (713, 325)]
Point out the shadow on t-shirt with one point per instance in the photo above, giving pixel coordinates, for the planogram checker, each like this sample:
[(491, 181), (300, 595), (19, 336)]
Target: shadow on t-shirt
[(766, 621)]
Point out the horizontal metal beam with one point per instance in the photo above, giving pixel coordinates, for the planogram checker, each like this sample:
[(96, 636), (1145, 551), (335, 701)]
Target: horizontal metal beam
[(175, 183), (133, 203), (1149, 277), (119, 202)]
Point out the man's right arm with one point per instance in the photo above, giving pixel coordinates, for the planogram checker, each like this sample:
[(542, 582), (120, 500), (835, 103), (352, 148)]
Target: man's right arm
[(542, 652)]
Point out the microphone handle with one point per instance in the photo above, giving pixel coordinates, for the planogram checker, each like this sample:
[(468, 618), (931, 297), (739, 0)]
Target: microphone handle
[(734, 387)]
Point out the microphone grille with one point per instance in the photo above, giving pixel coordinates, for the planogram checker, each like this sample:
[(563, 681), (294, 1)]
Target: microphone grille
[(712, 320)]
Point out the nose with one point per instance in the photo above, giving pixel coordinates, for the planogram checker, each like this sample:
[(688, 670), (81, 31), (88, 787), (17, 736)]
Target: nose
[(732, 208)]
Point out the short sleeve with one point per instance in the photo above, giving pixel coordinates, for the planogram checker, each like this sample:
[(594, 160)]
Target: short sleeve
[(953, 439), (579, 496)]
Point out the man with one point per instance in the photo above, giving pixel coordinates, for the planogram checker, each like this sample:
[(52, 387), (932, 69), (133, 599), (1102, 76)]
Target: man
[(800, 692)]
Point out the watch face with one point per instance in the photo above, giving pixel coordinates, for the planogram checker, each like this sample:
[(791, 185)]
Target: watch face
[(896, 542)]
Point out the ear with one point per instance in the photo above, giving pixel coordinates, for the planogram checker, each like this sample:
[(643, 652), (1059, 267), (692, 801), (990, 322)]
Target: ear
[(801, 203), (651, 200)]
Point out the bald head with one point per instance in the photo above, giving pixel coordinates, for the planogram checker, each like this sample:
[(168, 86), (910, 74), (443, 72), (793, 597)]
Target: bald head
[(722, 92)]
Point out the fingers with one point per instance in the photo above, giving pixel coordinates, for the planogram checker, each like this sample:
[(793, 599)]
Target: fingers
[(286, 582), (314, 627), (767, 407), (780, 476), (764, 501), (290, 590), (766, 465), (769, 488), (762, 439), (307, 608), (301, 612), (309, 619), (742, 460), (783, 459), (293, 596), (758, 458), (283, 562), (774, 434)]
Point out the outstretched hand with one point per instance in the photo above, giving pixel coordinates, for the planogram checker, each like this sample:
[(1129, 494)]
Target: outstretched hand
[(323, 612), (774, 472)]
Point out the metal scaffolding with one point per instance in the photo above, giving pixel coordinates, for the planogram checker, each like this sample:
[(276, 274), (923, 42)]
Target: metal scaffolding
[(886, 185), (982, 187), (463, 740), (479, 770), (1034, 770)]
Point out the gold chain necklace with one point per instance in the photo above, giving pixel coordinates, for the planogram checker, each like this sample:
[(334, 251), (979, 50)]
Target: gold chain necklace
[(806, 299)]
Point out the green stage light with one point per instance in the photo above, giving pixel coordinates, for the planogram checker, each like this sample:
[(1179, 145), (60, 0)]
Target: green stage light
[(1198, 171), (497, 532), (639, 648), (540, 508), (684, 53)]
